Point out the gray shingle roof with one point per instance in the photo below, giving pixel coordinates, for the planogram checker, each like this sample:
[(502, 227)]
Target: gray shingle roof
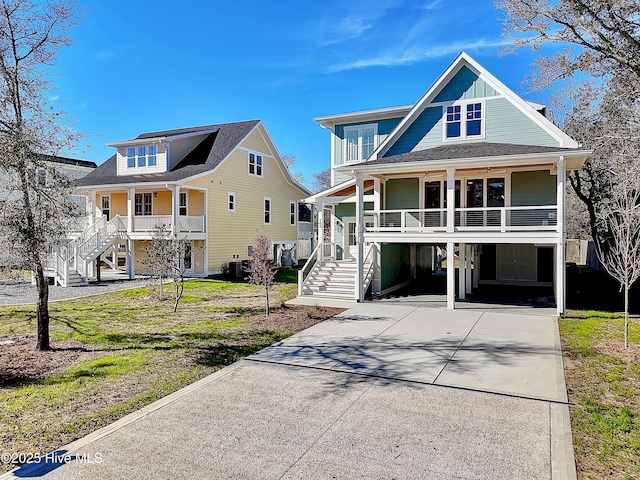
[(205, 157), (467, 150)]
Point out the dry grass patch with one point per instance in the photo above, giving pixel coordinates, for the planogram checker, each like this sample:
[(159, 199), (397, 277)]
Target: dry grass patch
[(118, 352)]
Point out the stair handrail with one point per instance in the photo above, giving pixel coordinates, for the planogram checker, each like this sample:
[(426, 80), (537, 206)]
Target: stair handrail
[(367, 275), (92, 243), (311, 261)]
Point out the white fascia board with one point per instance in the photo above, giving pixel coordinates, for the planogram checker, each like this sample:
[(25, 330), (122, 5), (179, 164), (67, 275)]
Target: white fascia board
[(329, 121), (140, 141), (578, 157), (125, 186), (191, 134)]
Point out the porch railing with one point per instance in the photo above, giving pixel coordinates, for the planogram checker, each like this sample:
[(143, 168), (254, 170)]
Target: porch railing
[(148, 223), (505, 219)]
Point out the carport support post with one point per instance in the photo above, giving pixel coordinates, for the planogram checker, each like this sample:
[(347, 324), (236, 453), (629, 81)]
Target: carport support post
[(468, 257), (451, 277), (462, 270), (360, 239), (130, 258), (451, 201), (560, 251)]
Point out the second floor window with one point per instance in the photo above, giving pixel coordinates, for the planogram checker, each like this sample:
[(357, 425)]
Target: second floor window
[(142, 156), (464, 121), (143, 204), (360, 142), (255, 165), (183, 204), (267, 211)]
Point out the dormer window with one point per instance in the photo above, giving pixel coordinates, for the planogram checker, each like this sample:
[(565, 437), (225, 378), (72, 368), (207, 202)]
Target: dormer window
[(464, 120), (142, 156), (360, 142)]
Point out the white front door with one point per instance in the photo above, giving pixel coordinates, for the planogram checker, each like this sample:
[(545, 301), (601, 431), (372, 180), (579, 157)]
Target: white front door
[(350, 237)]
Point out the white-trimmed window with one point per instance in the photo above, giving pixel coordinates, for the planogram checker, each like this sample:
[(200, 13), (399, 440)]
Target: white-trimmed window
[(142, 156), (360, 141), (143, 204), (183, 204), (267, 211), (292, 212), (464, 120), (231, 201), (255, 164)]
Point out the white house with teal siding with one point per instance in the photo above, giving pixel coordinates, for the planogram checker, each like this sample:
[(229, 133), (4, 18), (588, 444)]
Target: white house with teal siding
[(466, 185)]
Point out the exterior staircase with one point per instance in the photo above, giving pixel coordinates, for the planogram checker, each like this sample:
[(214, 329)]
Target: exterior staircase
[(70, 265), (334, 278)]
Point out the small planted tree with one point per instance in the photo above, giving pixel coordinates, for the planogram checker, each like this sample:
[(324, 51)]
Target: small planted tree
[(261, 268), (169, 257), (158, 252), (621, 217)]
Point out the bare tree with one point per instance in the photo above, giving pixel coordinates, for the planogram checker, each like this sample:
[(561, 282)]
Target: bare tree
[(621, 217), (321, 180), (160, 254), (261, 268), (290, 160), (170, 257), (602, 36), (34, 214)]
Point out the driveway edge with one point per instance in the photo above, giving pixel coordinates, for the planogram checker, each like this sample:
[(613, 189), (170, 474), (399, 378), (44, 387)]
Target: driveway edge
[(563, 463), (31, 470)]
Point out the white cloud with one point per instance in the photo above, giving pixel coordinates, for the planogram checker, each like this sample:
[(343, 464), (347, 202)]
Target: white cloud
[(403, 56)]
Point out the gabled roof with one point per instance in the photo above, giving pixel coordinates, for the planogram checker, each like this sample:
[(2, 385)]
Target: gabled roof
[(69, 161), (212, 150), (464, 60)]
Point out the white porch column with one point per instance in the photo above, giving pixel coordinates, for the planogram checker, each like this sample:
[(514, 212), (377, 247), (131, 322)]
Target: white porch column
[(451, 199), (451, 277), (320, 231), (560, 286), (92, 205), (175, 210), (462, 270), (130, 259), (377, 197), (360, 238), (468, 275), (131, 198)]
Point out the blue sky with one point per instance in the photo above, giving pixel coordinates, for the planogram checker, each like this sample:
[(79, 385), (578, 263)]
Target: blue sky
[(152, 65)]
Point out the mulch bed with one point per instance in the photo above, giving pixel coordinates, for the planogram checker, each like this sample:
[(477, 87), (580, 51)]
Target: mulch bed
[(19, 359)]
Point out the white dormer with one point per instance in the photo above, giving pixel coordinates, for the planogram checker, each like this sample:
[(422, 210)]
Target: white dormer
[(155, 154)]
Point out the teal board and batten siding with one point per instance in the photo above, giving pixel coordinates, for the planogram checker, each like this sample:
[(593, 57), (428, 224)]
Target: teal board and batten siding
[(504, 123), (349, 209), (394, 264), (402, 193), (533, 188), (465, 85)]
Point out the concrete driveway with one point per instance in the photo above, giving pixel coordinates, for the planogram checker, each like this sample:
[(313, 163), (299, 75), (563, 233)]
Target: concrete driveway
[(378, 392)]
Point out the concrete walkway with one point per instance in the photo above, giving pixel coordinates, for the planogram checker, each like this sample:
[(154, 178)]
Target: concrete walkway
[(360, 396)]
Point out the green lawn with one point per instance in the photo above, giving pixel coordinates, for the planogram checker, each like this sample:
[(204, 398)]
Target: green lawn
[(603, 380), (130, 349)]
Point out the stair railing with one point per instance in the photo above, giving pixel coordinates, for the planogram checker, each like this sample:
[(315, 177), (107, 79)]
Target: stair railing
[(303, 273), (368, 274)]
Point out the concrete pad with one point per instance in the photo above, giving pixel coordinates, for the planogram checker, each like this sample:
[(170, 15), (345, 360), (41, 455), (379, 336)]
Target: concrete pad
[(416, 348), (321, 302), (258, 420), (398, 430), (509, 354)]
